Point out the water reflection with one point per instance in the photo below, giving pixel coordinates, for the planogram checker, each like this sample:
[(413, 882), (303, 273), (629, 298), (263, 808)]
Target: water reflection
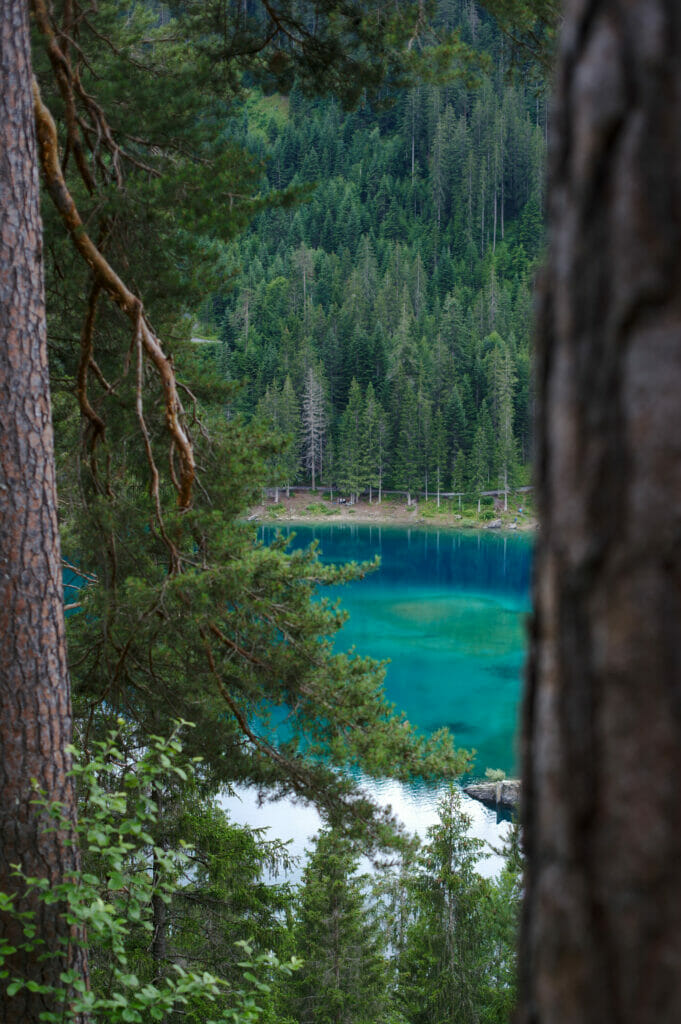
[(416, 807), (448, 610), (465, 561)]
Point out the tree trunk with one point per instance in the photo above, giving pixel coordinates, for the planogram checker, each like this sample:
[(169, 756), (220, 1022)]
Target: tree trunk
[(494, 230), (503, 178), (601, 938), (35, 716)]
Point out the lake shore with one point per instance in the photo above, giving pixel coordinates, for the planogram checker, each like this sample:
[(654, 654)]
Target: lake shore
[(314, 508)]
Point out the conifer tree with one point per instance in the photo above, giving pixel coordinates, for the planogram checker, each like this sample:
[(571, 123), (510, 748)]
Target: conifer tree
[(268, 411), (503, 382), (406, 472), (447, 953), (331, 464), (35, 705), (425, 436), (375, 436), (439, 449), (351, 457), (314, 424), (460, 474), (478, 462), (303, 260), (290, 427), (344, 977), (419, 307), (183, 611)]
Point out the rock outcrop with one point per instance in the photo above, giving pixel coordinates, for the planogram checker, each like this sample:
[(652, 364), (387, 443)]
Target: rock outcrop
[(496, 794)]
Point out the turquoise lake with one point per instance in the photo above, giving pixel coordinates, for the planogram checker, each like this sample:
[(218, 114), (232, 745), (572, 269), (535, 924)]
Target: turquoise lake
[(449, 610)]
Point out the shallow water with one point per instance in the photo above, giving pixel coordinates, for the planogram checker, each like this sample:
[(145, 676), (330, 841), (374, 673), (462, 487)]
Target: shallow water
[(448, 609)]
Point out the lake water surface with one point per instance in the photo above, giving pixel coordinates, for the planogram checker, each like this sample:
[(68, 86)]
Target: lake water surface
[(448, 609)]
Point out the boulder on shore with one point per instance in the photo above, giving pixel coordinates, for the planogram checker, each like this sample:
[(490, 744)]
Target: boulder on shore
[(496, 794), (494, 525)]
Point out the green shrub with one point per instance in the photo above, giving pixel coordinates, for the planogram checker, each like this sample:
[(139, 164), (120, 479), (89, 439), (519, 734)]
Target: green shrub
[(112, 901)]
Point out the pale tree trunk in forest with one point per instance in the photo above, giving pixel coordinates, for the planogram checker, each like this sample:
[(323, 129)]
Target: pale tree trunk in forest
[(601, 938), (494, 229), (503, 170), (482, 201), (35, 722)]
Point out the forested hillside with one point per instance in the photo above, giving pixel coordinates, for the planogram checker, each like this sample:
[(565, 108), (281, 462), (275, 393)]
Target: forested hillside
[(393, 307), (382, 326)]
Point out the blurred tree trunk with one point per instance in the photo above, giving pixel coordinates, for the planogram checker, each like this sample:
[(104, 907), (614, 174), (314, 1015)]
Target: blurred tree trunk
[(35, 723), (601, 936)]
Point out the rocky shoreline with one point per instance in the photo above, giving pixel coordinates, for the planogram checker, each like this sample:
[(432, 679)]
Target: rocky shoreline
[(505, 793)]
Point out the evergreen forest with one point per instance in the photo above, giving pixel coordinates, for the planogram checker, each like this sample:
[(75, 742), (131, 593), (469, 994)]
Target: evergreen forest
[(392, 307), (283, 244)]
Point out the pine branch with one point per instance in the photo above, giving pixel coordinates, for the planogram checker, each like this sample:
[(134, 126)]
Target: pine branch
[(110, 282)]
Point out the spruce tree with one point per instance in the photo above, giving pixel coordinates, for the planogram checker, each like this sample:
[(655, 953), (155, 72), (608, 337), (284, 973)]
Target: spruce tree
[(344, 976), (314, 424), (478, 462), (268, 412), (459, 474), (375, 436), (502, 387), (425, 436), (290, 428), (447, 954), (352, 471), (407, 466), (439, 449)]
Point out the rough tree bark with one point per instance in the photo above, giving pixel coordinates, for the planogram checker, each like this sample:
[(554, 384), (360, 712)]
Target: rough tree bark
[(601, 935), (35, 723)]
